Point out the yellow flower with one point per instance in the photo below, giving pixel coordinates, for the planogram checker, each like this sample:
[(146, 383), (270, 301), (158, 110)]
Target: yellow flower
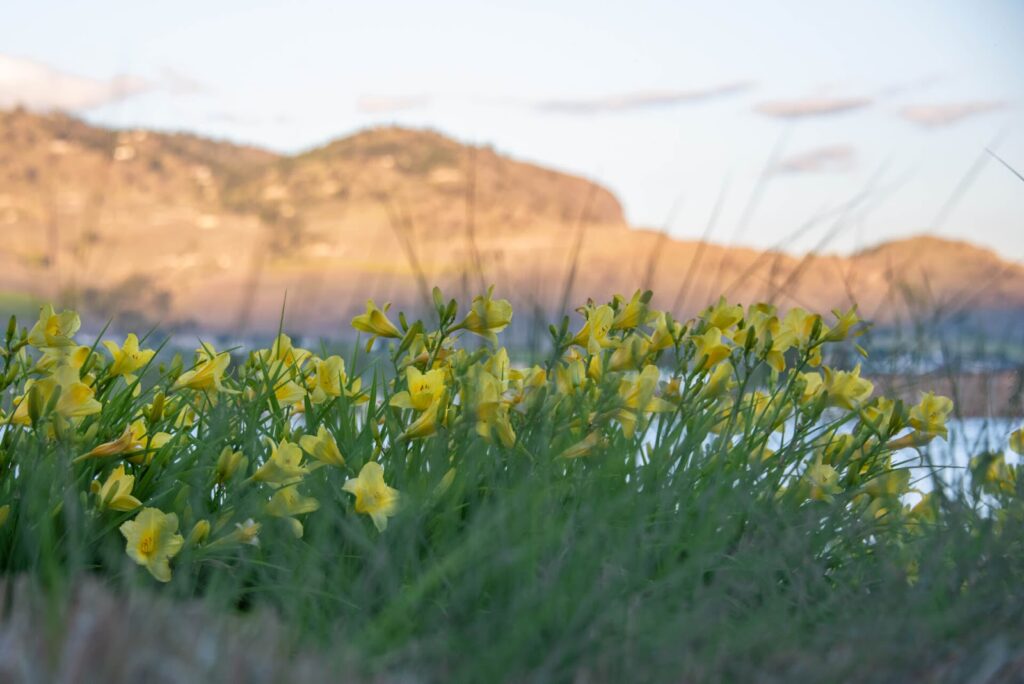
[(76, 399), (375, 321), (487, 316), (57, 357), (664, 333), (719, 381), (424, 389), (594, 333), (322, 447), (722, 315), (637, 397), (208, 372), (929, 416), (200, 531), (228, 463), (583, 447), (710, 349), (845, 320), (286, 391), (426, 424), (1017, 441), (116, 492), (331, 380), (53, 329), (491, 409), (824, 481), (287, 503), (633, 314), (290, 356), (847, 389), (629, 354), (813, 386), (128, 358), (373, 496), (284, 466), (152, 540)]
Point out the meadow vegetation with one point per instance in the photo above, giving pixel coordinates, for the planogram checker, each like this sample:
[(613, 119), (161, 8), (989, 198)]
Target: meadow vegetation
[(654, 499)]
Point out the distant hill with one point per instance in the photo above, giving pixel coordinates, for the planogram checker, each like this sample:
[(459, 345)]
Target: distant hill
[(186, 231)]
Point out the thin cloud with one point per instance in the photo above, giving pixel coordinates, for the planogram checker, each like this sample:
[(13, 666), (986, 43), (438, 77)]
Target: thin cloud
[(936, 115), (384, 104), (808, 107), (828, 159), (651, 99), (36, 85), (179, 83)]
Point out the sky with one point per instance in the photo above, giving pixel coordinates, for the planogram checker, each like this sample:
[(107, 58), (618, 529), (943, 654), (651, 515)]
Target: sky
[(814, 125)]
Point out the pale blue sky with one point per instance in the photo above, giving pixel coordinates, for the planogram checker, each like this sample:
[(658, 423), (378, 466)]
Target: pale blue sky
[(601, 89)]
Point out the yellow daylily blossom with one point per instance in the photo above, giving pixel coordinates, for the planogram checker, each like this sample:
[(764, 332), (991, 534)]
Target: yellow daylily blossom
[(824, 481), (128, 358), (593, 336), (664, 332), (152, 540), (53, 329), (373, 496), (375, 321), (719, 381), (322, 447), (491, 409), (287, 503), (929, 416), (630, 354), (710, 349), (1017, 441), (847, 389), (813, 386), (637, 397), (116, 492), (228, 463), (283, 466), (330, 380), (283, 351), (427, 423), (723, 315), (76, 399), (487, 316), (635, 313), (57, 357), (208, 373), (584, 447), (424, 389)]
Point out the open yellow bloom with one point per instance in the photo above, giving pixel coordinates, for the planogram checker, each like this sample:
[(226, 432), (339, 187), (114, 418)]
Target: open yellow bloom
[(847, 389), (282, 350), (287, 503), (330, 380), (322, 447), (487, 316), (373, 496), (634, 313), (424, 389), (1017, 441), (824, 481), (152, 540), (710, 349), (375, 321), (492, 409), (283, 466), (208, 372), (723, 315), (76, 399), (637, 397), (929, 416), (116, 492), (594, 333), (53, 329), (128, 358)]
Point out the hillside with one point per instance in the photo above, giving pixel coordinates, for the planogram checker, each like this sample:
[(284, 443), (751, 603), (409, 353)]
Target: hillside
[(182, 230)]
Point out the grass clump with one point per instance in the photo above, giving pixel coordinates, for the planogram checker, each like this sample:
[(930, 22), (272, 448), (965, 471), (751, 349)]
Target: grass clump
[(656, 500)]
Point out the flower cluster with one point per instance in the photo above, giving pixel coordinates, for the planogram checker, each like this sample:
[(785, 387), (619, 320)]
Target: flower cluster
[(209, 456)]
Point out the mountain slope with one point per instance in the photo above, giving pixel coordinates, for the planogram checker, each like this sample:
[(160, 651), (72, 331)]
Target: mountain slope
[(179, 229)]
